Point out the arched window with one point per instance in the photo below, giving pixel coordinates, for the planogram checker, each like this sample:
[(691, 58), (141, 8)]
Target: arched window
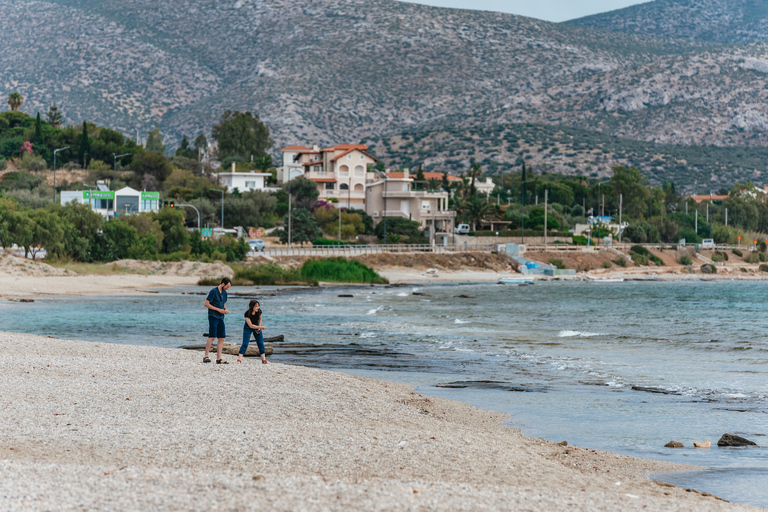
[(344, 171), (359, 171), (343, 186), (359, 187)]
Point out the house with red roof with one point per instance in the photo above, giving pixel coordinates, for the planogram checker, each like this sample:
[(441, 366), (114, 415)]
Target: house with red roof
[(340, 171)]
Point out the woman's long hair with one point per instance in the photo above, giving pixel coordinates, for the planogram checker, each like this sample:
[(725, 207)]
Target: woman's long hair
[(251, 304)]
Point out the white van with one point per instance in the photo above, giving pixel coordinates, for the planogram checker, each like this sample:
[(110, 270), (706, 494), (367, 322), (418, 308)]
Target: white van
[(462, 229), (708, 243)]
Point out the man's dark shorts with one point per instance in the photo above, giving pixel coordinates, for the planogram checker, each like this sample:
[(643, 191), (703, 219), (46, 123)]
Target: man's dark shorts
[(216, 328)]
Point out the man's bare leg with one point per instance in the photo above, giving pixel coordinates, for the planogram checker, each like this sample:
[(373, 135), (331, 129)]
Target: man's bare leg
[(219, 346), (208, 347)]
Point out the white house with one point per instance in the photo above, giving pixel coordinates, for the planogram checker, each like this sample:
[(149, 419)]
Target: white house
[(111, 203), (245, 181)]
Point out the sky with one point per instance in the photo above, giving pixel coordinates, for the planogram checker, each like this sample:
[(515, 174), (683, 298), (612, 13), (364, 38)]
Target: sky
[(550, 10)]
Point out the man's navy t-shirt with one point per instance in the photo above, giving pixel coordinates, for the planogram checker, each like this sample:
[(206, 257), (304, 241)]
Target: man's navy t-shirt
[(217, 300)]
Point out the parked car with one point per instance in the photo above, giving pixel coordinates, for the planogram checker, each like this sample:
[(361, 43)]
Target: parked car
[(257, 245), (462, 229), (708, 243)]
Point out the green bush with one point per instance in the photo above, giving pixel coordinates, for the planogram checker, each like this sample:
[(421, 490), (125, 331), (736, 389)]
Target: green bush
[(580, 240), (708, 268), (685, 260), (267, 274), (639, 259), (322, 242), (639, 249), (717, 257), (762, 256), (339, 270), (622, 262), (752, 257), (557, 262), (607, 264), (738, 253), (763, 268), (658, 261)]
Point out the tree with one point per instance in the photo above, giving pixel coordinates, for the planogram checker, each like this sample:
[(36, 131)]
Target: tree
[(175, 235), (303, 191), (38, 138), (15, 100), (81, 224), (84, 146), (47, 232), (250, 208), (54, 117), (150, 163), (200, 143), (155, 141), (303, 227), (263, 163), (184, 149), (241, 134), (475, 171), (476, 211), (628, 182), (410, 230)]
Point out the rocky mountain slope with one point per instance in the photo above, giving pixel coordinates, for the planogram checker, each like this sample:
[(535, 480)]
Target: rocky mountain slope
[(329, 71), (723, 21)]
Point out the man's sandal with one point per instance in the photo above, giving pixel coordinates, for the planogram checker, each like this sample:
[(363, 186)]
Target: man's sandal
[(221, 361), (206, 359)]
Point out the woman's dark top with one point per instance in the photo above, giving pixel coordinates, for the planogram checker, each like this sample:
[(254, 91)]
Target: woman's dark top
[(255, 319)]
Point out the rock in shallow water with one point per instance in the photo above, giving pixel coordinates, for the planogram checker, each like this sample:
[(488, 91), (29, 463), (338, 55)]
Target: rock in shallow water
[(673, 444), (734, 440)]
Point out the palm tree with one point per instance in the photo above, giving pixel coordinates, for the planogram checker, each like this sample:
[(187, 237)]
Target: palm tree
[(433, 184), (15, 100), (475, 172), (476, 211)]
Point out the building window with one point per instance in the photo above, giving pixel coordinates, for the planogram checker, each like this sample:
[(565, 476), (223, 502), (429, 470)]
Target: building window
[(362, 157), (343, 186), (425, 205), (250, 184), (349, 156), (359, 171), (329, 186), (148, 205)]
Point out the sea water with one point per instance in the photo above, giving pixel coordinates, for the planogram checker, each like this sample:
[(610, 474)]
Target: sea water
[(624, 367)]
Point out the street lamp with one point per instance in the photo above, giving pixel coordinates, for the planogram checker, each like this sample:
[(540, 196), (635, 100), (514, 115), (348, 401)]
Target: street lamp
[(54, 170), (114, 165), (222, 208)]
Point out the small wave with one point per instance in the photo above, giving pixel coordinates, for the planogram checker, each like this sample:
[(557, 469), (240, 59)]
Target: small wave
[(573, 334), (403, 294), (457, 321), (373, 311), (367, 334)]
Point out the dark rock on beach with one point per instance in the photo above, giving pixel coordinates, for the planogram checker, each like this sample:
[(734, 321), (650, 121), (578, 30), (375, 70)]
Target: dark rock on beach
[(674, 444), (732, 440), (345, 295)]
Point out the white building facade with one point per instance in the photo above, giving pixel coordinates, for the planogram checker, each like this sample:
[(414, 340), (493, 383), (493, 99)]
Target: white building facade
[(111, 203), (245, 181)]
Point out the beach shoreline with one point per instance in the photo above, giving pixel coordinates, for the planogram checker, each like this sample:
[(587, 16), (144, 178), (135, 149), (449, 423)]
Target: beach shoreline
[(99, 425)]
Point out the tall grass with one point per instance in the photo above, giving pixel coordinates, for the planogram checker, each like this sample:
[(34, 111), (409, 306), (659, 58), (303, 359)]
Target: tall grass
[(267, 274), (94, 269), (339, 270)]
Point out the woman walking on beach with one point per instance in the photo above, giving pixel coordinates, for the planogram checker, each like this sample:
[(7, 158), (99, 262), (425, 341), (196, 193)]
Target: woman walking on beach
[(253, 325)]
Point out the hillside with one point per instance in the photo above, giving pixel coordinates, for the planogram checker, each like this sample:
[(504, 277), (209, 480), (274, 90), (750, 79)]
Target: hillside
[(722, 21), (571, 151), (328, 71)]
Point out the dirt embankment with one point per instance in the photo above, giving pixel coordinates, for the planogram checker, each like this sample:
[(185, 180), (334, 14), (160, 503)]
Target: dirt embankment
[(15, 266), (422, 261), (174, 268)]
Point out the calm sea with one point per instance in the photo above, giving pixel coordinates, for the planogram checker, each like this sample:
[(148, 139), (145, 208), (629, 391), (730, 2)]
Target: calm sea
[(625, 367)]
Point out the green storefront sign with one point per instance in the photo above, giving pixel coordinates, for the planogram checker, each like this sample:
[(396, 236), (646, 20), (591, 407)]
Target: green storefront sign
[(150, 196), (98, 194)]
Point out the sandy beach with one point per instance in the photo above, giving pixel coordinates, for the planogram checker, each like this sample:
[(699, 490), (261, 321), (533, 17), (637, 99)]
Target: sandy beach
[(99, 426)]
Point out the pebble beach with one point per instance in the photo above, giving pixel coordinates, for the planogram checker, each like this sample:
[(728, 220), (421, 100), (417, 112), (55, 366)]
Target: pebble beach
[(99, 426)]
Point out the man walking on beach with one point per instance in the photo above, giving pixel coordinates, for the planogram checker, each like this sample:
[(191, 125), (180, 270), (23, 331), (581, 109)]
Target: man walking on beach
[(216, 302)]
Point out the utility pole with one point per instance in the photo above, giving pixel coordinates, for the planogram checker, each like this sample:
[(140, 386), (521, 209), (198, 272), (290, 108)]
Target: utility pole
[(546, 199), (621, 201)]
